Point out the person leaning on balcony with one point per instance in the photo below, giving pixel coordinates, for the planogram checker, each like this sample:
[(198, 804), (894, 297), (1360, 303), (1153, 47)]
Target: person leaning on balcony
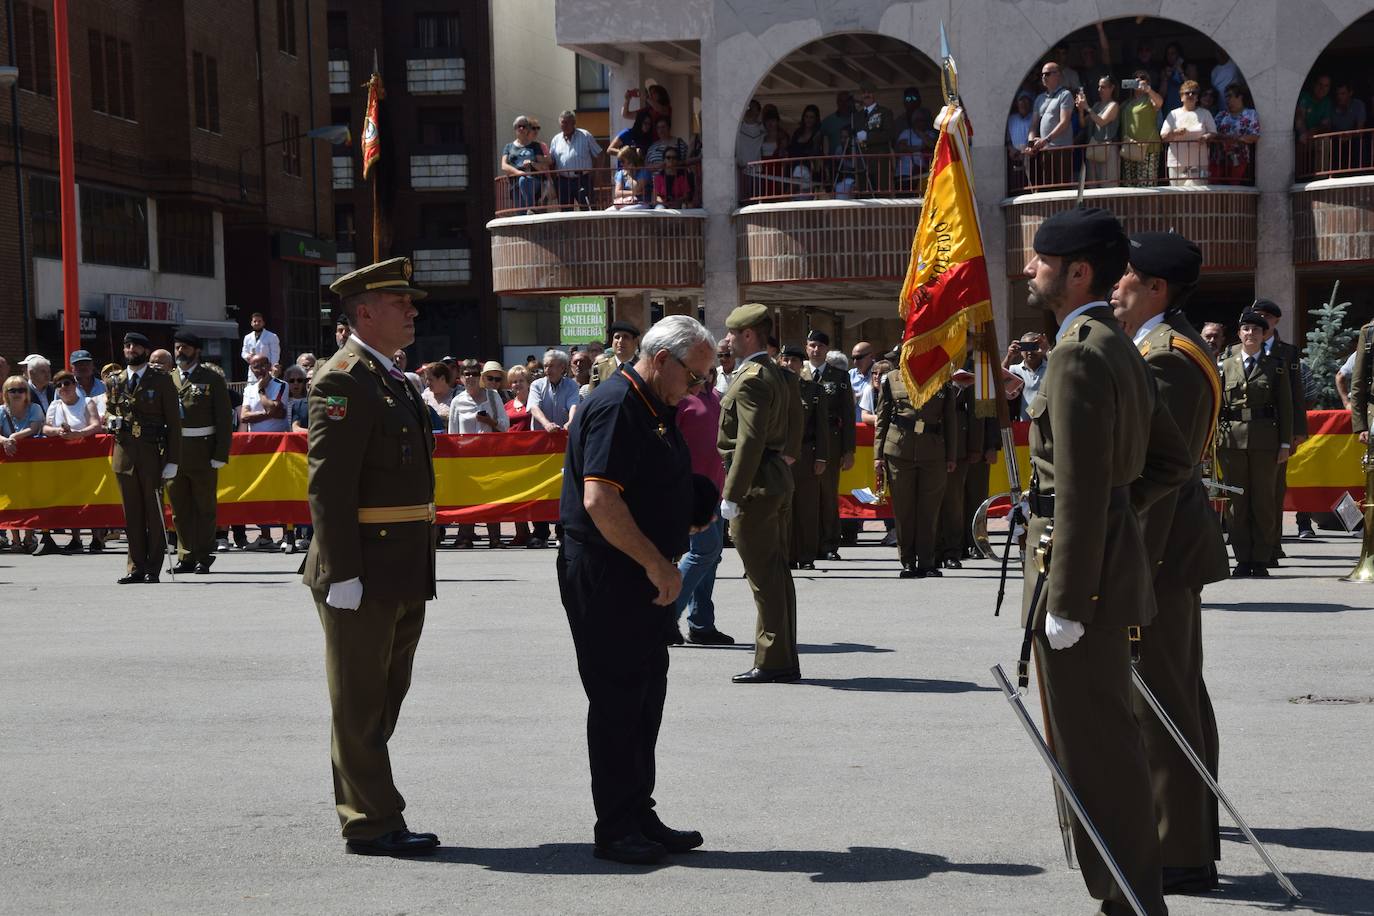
[(1314, 109), (1051, 128), (630, 188), (805, 145), (1189, 130), (1140, 131), (522, 160), (1239, 128), (1018, 137), (912, 144), (574, 152), (1104, 130), (674, 188), (1348, 114)]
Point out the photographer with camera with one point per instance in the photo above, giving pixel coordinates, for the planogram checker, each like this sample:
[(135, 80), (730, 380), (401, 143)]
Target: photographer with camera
[(1140, 130), (1033, 351)]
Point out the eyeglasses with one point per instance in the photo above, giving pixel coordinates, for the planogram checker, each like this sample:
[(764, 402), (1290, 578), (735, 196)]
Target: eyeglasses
[(65, 382), (471, 374), (494, 378), (1046, 73), (16, 391), (860, 356), (1189, 92), (693, 380)]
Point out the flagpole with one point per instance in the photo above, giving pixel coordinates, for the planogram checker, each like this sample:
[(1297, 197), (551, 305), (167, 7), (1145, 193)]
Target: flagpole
[(376, 197), (66, 167)]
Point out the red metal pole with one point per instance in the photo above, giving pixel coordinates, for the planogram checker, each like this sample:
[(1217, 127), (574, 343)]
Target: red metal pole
[(71, 299)]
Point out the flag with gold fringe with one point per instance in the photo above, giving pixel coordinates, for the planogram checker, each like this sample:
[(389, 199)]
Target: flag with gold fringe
[(372, 136), (946, 296)]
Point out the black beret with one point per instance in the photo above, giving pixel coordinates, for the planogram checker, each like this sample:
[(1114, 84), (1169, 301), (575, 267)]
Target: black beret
[(191, 338), (794, 350), (1166, 255), (705, 500), (1250, 316), (624, 326), (819, 337), (1267, 307), (133, 337), (1079, 230)]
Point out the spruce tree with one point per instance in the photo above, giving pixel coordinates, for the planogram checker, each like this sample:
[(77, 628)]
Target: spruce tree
[(1327, 343)]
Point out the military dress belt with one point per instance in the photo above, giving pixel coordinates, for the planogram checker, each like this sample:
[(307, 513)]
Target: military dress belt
[(1042, 504), (1246, 414), (387, 515), (197, 432), (914, 425)]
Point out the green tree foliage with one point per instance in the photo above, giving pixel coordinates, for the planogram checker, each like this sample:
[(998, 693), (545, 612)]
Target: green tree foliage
[(1328, 342)]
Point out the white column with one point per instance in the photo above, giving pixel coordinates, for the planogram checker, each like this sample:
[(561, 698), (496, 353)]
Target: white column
[(626, 76), (1275, 277), (718, 190)]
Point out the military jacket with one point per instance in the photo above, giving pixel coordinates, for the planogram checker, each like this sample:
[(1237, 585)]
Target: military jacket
[(754, 431), (795, 419), (1287, 356), (878, 124), (1182, 533), (370, 447), (1361, 397), (604, 367), (815, 417), (840, 394), (1103, 447), (925, 434), (146, 422), (204, 399), (1257, 407), (973, 435)]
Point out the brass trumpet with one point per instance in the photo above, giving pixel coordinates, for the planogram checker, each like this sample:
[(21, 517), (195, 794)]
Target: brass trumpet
[(1364, 569)]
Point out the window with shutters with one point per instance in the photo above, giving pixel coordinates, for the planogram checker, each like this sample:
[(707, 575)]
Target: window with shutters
[(33, 48), (112, 75), (205, 87), (114, 228), (437, 30)]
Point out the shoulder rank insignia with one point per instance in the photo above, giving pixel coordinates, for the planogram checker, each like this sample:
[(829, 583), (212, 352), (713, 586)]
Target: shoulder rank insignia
[(341, 364), (336, 408)]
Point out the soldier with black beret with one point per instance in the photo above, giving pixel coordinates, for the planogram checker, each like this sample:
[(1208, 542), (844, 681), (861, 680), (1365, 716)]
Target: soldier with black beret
[(1291, 358), (1101, 450), (370, 567), (1184, 543), (144, 416), (206, 426), (839, 436), (624, 345)]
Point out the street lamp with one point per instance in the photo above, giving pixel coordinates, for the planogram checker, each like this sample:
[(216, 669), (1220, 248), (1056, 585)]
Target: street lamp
[(336, 134)]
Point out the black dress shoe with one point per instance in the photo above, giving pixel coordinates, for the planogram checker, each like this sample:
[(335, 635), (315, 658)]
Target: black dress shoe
[(768, 676), (97, 546), (1272, 564), (133, 578), (1196, 880), (934, 572), (807, 565), (395, 843), (202, 569), (952, 563), (1241, 571), (631, 849), (672, 840), (46, 545), (184, 566), (1259, 571), (908, 572), (675, 636), (711, 637), (917, 572), (831, 555), (151, 578)]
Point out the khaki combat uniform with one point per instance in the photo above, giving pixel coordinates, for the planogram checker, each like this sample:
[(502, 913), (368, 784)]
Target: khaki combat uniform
[(806, 493), (839, 442), (205, 436), (915, 444), (1256, 418), (147, 435)]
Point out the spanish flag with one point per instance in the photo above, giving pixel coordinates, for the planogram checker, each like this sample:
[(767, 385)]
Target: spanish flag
[(372, 137), (946, 293)]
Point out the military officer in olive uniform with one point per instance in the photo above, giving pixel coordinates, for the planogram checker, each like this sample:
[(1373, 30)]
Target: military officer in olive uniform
[(624, 345), (874, 129), (839, 436), (810, 464), (1255, 441), (755, 418), (1290, 356), (1101, 450), (1361, 390), (1184, 543), (145, 418), (370, 567), (206, 425), (916, 450), (969, 436)]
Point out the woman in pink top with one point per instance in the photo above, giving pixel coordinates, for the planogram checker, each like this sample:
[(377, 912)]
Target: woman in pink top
[(518, 409), (698, 418)]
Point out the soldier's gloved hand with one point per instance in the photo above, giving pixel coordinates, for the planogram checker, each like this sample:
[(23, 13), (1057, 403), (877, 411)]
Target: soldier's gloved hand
[(217, 464), (345, 596), (862, 136), (169, 470), (1061, 632), (728, 510)]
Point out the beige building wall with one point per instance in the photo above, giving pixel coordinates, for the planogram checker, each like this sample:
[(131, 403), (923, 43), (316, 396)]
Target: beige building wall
[(532, 75)]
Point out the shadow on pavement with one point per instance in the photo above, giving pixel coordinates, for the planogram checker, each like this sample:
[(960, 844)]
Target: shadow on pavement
[(837, 648), (898, 685), (1339, 895), (859, 865), (1334, 839), (1284, 607)]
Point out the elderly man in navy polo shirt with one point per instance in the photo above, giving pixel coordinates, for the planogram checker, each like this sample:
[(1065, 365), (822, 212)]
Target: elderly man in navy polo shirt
[(627, 509)]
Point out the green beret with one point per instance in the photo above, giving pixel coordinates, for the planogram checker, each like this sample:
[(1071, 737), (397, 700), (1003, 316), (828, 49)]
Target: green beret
[(747, 316), (1079, 230), (389, 276), (1166, 255)]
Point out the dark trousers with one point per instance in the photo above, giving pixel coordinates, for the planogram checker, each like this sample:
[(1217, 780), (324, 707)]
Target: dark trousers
[(142, 498), (620, 637), (806, 497), (368, 655), (830, 501), (574, 190), (950, 545), (192, 494), (761, 538)]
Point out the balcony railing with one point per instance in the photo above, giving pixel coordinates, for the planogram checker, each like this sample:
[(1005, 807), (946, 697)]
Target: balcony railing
[(853, 177), (1132, 164), (1335, 155), (643, 188)]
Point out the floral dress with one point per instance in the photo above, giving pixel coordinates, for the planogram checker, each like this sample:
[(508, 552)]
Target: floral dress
[(1236, 156)]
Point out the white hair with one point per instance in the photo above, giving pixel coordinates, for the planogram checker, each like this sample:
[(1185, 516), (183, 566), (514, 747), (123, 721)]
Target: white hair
[(556, 355), (678, 334), (36, 360), (837, 359)]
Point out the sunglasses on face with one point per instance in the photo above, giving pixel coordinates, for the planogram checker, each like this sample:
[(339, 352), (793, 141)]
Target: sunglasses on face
[(693, 379), (65, 382), (494, 378), (471, 374), (1190, 92)]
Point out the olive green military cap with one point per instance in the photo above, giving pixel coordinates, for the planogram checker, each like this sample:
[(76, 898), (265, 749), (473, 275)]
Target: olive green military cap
[(389, 276), (747, 316)]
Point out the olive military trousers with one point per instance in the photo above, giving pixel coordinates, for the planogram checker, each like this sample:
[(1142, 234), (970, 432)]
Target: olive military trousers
[(368, 655), (828, 512), (917, 489), (1171, 664), (1252, 517), (976, 481), (140, 492), (806, 507), (950, 544), (193, 494), (760, 539)]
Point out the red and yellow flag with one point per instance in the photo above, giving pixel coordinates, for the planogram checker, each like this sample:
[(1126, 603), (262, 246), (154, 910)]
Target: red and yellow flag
[(946, 292), (372, 137)]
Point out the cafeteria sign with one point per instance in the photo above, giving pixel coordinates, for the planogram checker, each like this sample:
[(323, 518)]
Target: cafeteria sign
[(581, 319)]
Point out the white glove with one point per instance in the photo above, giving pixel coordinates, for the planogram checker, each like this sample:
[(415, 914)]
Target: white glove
[(217, 464), (862, 136), (169, 470), (728, 510), (1061, 632), (345, 596)]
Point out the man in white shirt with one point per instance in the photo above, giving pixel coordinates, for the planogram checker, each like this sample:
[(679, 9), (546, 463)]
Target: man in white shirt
[(726, 357), (574, 152), (264, 405), (861, 364), (1033, 349), (261, 340)]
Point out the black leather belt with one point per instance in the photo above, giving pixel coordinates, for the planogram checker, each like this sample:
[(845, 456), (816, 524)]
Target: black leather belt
[(1042, 504), (1246, 414)]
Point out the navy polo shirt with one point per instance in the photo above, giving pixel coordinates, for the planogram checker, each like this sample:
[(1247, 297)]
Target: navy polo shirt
[(625, 436)]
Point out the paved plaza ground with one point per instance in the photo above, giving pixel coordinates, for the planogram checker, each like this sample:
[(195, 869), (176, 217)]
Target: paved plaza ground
[(164, 749)]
